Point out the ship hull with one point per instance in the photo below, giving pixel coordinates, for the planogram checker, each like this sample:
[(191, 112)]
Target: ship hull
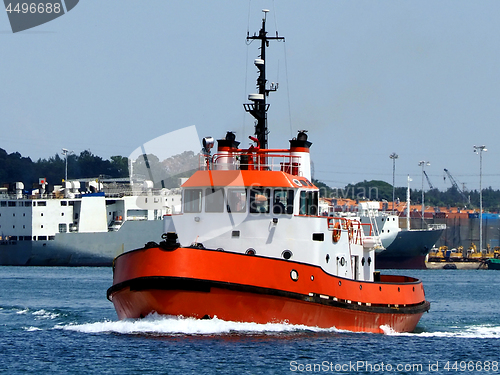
[(493, 264), (458, 265), (80, 249), (206, 283), (408, 250)]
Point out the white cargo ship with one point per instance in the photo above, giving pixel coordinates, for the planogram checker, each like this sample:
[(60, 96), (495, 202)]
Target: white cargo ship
[(81, 223)]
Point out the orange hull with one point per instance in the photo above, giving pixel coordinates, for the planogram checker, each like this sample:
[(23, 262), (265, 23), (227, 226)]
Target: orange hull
[(206, 283)]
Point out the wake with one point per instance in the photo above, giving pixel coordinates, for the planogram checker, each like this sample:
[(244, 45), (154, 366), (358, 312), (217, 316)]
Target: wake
[(486, 331), (169, 325)]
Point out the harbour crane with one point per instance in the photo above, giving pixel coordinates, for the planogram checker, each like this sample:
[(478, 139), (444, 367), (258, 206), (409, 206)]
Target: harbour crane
[(455, 185), (428, 180)]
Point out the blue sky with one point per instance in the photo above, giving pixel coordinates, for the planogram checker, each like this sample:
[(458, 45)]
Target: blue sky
[(365, 78)]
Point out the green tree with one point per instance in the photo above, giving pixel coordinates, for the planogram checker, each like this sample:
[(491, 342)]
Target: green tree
[(119, 166)]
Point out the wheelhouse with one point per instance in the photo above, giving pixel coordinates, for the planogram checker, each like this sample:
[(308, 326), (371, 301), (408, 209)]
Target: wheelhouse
[(251, 200)]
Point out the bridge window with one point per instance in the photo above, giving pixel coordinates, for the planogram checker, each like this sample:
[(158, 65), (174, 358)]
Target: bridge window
[(236, 200), (214, 200), (283, 201), (192, 200), (260, 200), (308, 203)]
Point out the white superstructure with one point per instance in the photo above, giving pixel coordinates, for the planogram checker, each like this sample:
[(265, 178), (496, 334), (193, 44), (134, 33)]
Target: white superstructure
[(56, 222), (384, 224)]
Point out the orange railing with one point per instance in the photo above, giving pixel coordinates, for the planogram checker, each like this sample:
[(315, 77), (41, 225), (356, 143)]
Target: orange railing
[(353, 227)]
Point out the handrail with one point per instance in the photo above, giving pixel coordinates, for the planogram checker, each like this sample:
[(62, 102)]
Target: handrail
[(60, 195), (252, 160), (349, 226)]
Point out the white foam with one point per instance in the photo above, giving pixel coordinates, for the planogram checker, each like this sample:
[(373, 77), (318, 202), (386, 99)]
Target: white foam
[(487, 331), (388, 330), (32, 329), (42, 314), (22, 311), (156, 324)]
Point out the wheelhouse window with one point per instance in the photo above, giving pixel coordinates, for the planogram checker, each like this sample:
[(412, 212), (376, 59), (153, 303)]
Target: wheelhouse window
[(308, 203), (214, 200), (260, 201), (236, 200), (192, 200), (283, 201)]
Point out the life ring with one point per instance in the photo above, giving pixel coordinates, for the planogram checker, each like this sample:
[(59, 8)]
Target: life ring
[(336, 232)]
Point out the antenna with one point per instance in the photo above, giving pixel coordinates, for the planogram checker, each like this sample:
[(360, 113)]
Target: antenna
[(258, 108)]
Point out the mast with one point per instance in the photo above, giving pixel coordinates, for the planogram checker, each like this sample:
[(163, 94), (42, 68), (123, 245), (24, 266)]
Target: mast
[(408, 227), (258, 109)]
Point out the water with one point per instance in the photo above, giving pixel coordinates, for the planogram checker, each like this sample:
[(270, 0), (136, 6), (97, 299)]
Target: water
[(58, 321)]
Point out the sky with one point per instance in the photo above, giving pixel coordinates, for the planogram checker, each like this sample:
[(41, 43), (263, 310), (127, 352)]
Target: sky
[(365, 78)]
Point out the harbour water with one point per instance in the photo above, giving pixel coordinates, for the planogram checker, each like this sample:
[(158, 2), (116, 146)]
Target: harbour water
[(58, 321)]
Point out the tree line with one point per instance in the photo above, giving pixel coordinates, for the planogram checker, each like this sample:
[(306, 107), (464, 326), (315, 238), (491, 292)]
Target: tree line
[(381, 190), (14, 167)]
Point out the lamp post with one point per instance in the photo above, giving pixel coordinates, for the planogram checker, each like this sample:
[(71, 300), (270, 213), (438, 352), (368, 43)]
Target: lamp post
[(422, 164), (65, 153), (479, 150), (408, 204), (393, 156)]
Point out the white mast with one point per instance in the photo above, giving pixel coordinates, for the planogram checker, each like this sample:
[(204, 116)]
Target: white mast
[(393, 156), (422, 164), (479, 150), (408, 205)]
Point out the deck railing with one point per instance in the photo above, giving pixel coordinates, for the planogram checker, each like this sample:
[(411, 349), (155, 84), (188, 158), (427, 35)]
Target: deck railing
[(268, 161), (112, 193)]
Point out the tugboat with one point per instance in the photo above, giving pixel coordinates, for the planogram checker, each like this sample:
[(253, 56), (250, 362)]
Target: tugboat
[(250, 245)]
